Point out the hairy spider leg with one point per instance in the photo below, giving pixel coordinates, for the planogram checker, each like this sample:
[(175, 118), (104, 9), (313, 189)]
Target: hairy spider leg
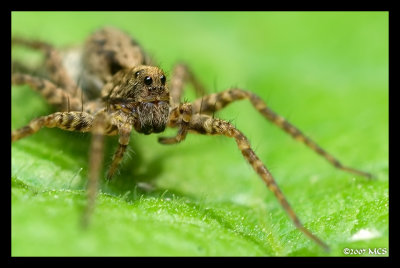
[(53, 94), (70, 121), (18, 67), (54, 65), (180, 115), (208, 125), (99, 125), (214, 102), (181, 75), (124, 132), (96, 158)]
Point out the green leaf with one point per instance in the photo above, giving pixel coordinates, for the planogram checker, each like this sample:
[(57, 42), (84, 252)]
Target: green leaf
[(326, 72)]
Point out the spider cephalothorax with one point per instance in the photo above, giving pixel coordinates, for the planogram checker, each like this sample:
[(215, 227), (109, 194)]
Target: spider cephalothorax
[(142, 95), (135, 95)]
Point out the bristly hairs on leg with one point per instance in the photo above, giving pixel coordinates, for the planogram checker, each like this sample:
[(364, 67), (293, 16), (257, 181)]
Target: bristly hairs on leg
[(128, 154), (201, 103), (68, 106), (82, 100), (215, 105), (78, 85)]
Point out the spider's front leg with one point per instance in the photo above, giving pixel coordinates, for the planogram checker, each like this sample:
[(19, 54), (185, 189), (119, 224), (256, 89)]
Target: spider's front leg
[(179, 117), (99, 125), (183, 118), (124, 132), (70, 121), (96, 155), (103, 124), (216, 101), (75, 121)]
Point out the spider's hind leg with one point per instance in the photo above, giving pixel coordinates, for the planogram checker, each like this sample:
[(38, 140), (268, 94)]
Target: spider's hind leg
[(181, 75), (54, 95), (53, 63)]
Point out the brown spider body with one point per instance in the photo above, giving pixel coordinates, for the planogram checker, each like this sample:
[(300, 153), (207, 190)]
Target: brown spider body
[(142, 96), (106, 52), (119, 90)]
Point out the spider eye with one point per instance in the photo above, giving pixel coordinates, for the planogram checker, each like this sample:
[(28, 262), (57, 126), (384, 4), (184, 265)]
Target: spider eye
[(162, 78), (148, 80), (137, 74)]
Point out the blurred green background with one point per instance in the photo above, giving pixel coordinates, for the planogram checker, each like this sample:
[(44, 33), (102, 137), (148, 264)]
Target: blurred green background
[(327, 72)]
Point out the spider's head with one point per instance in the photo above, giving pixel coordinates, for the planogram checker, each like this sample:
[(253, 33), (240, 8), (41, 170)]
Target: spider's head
[(153, 107), (150, 83), (143, 93)]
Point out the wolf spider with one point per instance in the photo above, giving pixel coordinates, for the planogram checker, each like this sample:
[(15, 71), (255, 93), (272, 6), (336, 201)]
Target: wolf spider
[(119, 89)]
